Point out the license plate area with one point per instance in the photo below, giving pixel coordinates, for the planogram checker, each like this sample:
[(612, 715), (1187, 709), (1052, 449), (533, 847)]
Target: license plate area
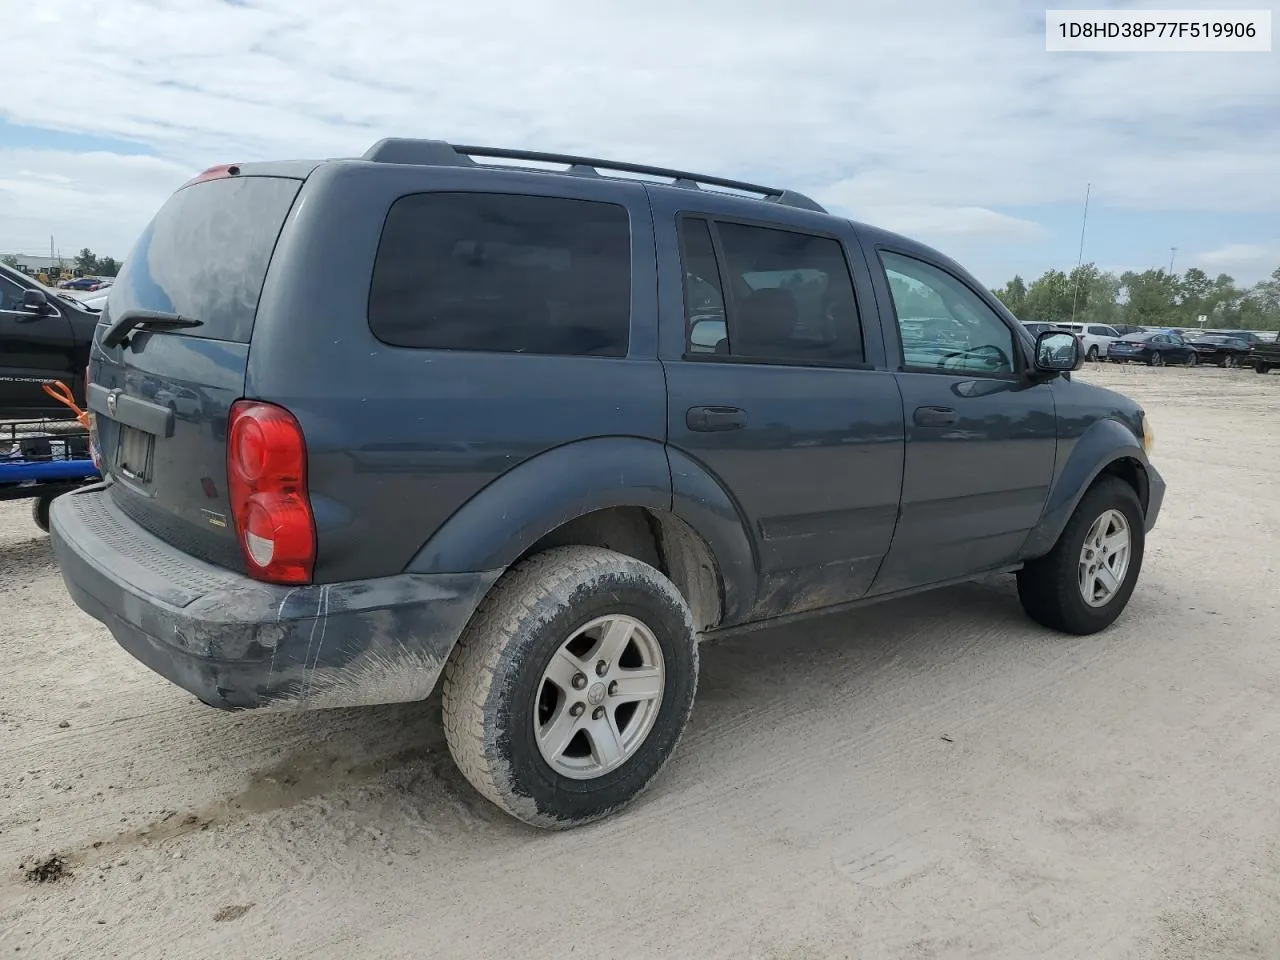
[(135, 453)]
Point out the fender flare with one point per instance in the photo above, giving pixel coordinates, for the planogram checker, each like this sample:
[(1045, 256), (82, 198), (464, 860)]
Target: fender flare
[(541, 494), (553, 488), (1103, 444)]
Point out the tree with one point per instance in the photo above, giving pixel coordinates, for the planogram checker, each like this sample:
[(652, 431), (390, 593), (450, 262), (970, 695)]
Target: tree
[(1150, 297), (86, 262), (108, 267), (1014, 295), (9, 260), (1049, 298)]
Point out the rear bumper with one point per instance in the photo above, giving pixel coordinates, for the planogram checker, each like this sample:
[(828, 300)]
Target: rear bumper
[(236, 643)]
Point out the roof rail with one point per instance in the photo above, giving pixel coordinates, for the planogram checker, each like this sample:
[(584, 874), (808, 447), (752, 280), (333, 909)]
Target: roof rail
[(441, 153)]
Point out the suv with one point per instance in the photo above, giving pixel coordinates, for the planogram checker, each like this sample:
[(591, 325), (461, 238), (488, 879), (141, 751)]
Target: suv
[(538, 432), (44, 338), (1097, 337)]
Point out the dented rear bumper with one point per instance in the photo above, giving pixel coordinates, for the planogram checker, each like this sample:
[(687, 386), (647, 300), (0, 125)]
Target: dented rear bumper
[(238, 644)]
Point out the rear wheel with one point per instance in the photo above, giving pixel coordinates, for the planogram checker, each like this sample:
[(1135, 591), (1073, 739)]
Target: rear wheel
[(1155, 358), (1085, 581), (1092, 354), (571, 686), (1193, 359), (40, 511)]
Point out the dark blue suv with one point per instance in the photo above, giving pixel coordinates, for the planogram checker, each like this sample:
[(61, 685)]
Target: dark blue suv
[(439, 412)]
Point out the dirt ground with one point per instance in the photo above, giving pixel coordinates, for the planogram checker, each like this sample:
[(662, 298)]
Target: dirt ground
[(930, 778)]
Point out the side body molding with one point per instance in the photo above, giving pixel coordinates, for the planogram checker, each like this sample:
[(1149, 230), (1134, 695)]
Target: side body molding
[(1100, 446)]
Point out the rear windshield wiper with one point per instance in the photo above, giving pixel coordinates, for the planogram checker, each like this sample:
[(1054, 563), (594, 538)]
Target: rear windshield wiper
[(130, 320)]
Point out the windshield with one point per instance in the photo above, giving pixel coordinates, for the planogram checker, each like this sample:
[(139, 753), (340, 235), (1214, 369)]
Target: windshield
[(205, 255)]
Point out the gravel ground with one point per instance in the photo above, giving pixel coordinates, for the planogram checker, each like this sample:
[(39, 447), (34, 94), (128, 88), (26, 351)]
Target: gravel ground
[(932, 778)]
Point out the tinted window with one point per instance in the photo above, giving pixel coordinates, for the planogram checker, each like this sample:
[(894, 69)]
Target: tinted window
[(790, 295), (945, 326), (205, 254), (10, 294), (1102, 331), (497, 272), (703, 293)]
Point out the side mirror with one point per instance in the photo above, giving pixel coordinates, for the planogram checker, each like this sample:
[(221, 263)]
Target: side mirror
[(35, 301), (1058, 351)]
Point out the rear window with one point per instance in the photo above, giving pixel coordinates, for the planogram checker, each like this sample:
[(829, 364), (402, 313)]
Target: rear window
[(205, 255), (503, 272)]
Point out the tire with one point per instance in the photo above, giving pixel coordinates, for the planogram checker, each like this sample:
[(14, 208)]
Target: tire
[(1193, 359), (40, 511), (1155, 359), (1050, 588), (1092, 355), (1229, 362), (496, 692), (1260, 367)]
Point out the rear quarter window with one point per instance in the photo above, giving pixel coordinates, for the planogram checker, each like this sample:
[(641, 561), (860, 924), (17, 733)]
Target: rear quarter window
[(504, 273), (205, 255)]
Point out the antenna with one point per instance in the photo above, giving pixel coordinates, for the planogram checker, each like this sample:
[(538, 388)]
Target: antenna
[(1080, 256)]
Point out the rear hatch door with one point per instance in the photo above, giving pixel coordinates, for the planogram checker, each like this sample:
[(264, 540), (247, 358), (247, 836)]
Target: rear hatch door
[(160, 399)]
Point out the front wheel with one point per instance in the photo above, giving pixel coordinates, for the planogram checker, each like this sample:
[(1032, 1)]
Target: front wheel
[(1229, 361), (1193, 359), (1092, 354), (1085, 581), (571, 686), (1260, 367)]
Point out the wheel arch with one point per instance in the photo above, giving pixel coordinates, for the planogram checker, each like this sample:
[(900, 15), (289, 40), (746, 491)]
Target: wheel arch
[(618, 493), (1107, 449)]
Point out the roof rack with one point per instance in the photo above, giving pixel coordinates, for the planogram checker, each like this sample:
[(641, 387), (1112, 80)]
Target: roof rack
[(441, 153)]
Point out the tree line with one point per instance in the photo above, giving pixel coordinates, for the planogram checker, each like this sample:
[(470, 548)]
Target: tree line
[(1152, 298), (86, 262)]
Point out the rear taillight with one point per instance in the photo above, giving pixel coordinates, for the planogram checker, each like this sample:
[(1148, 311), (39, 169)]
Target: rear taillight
[(267, 477)]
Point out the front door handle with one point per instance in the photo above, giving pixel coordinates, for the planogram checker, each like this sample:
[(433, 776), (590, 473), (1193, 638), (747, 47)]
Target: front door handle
[(711, 419), (936, 417)]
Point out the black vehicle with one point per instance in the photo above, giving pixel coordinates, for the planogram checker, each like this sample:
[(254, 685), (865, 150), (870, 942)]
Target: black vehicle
[(550, 429), (1156, 349), (44, 337), (1264, 355), (1124, 329), (1223, 350)]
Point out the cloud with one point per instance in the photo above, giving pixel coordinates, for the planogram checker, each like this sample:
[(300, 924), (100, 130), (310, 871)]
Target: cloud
[(930, 114), (1247, 262)]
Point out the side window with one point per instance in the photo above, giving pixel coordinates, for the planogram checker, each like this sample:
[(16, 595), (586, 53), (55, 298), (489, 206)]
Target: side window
[(10, 295), (504, 273), (945, 326), (703, 294), (790, 297)]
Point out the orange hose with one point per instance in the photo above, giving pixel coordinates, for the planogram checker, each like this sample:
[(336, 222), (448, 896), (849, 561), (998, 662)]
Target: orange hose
[(62, 393)]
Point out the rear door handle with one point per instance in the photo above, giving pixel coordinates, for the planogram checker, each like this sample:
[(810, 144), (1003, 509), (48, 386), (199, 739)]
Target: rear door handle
[(935, 417), (711, 419)]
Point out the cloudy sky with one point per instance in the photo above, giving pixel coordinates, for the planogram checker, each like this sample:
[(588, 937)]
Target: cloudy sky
[(945, 119)]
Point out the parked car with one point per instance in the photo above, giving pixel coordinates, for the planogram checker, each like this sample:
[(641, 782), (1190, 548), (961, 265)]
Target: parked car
[(1097, 338), (1223, 350), (552, 429), (1035, 328), (80, 283), (1264, 356), (1124, 329), (1156, 349), (44, 336)]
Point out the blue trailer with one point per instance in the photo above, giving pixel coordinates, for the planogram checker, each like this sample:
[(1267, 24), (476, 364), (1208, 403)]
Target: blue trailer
[(40, 460)]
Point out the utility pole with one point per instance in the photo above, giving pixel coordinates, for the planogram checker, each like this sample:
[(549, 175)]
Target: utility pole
[(1173, 251), (1075, 295)]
